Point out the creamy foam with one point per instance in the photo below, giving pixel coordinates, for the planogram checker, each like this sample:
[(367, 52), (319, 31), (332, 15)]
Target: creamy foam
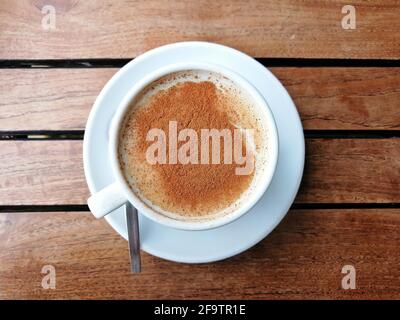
[(144, 180)]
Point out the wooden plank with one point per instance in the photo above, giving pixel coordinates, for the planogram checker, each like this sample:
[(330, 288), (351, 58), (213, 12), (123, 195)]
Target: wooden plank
[(327, 98), (42, 172), (49, 99), (344, 98), (337, 171), (302, 258), (261, 28), (353, 171)]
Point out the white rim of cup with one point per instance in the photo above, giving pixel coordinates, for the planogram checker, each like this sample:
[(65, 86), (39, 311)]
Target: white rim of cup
[(158, 217)]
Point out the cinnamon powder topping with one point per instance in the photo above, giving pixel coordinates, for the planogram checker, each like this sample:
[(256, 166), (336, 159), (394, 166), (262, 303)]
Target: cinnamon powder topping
[(187, 189)]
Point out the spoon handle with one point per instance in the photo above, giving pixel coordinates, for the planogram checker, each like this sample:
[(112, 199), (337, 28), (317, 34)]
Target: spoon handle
[(133, 237)]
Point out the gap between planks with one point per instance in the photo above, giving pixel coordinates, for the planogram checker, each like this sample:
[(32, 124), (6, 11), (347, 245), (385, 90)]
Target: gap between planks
[(267, 62), (309, 134), (296, 206)]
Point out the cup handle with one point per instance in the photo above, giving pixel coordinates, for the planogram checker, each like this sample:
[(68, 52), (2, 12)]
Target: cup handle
[(106, 200)]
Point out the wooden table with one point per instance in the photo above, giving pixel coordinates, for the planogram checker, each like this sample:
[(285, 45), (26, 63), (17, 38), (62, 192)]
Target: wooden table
[(348, 95)]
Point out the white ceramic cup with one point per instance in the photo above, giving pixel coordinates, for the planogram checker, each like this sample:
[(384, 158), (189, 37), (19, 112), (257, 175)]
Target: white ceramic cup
[(118, 193)]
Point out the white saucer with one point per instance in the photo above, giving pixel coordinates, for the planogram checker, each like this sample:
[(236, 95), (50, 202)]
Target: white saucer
[(240, 235)]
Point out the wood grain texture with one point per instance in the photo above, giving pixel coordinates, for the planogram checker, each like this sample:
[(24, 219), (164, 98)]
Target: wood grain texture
[(302, 258), (349, 170), (42, 172), (49, 99), (109, 29), (327, 98), (337, 171), (344, 98)]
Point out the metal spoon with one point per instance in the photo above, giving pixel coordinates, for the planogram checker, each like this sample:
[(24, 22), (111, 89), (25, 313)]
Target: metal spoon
[(133, 237)]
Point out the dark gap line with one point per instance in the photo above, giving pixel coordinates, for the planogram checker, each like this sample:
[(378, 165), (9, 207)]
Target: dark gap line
[(44, 208), (309, 134), (295, 206), (351, 134), (268, 62), (42, 135), (326, 62), (62, 64), (319, 206)]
